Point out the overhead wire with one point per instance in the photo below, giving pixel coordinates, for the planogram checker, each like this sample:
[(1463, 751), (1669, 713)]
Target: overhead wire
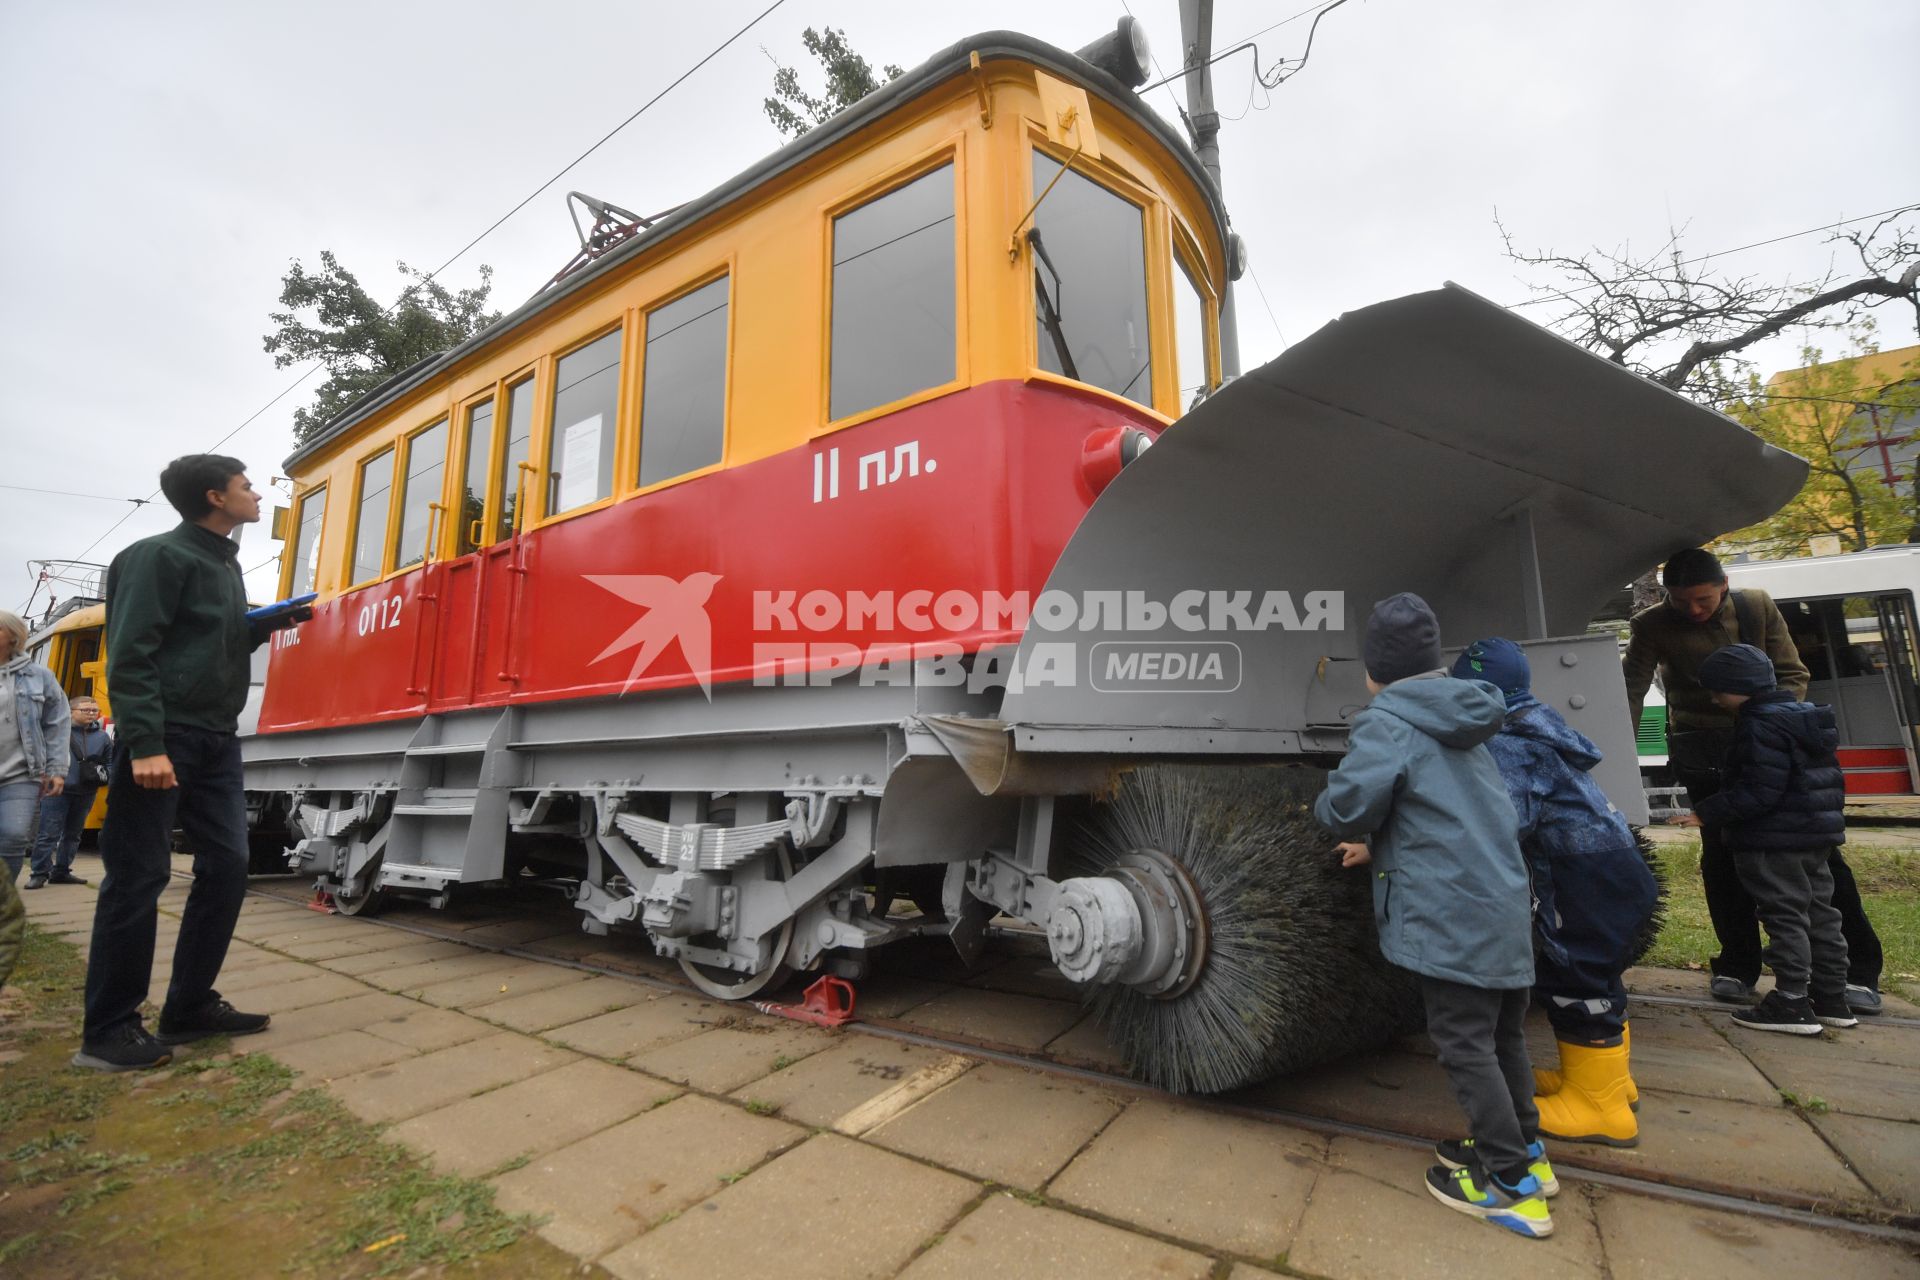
[(467, 247), (1322, 7), (68, 493), (1257, 288)]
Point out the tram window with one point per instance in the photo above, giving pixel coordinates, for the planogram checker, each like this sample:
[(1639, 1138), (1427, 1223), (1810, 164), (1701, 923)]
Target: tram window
[(471, 509), (1090, 284), (426, 467), (370, 526), (586, 393), (894, 306), (1189, 334), (683, 404), (306, 541), (519, 437)]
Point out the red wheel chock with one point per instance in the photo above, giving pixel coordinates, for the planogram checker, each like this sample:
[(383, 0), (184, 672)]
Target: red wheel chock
[(827, 1003), (322, 901)]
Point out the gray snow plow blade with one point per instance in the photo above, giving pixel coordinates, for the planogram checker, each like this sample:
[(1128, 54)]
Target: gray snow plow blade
[(1435, 443)]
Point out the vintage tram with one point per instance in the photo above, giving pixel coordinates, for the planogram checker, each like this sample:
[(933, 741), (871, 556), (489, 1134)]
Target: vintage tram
[(805, 550)]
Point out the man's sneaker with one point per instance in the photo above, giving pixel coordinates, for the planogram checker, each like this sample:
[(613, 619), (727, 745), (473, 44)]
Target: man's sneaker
[(125, 1048), (1863, 999), (216, 1019), (36, 881), (1521, 1209), (65, 877), (1731, 989), (1457, 1153), (1781, 1013), (1832, 1011)]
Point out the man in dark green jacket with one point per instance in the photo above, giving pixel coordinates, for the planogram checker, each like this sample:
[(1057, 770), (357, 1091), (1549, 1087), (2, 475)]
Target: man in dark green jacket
[(178, 646), (1701, 615)]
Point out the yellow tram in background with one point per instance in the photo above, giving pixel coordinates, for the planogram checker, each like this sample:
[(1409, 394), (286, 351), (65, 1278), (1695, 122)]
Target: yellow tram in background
[(73, 647)]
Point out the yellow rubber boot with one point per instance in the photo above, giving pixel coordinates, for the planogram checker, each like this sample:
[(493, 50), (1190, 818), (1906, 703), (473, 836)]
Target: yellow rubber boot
[(1547, 1083), (1591, 1104)]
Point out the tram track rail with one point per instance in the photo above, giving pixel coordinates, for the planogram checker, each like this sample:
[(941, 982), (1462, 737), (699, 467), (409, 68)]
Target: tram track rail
[(1782, 1207)]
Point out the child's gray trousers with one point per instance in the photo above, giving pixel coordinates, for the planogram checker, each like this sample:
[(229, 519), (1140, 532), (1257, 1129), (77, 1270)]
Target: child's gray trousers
[(1483, 1048), (1793, 895)]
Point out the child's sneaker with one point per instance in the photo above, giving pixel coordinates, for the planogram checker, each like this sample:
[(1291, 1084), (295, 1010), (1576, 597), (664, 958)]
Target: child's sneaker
[(1521, 1209), (1833, 1011), (1457, 1153), (1791, 1014)]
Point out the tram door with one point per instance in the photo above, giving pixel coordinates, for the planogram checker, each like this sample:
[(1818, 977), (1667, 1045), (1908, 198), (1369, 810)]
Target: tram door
[(477, 585), (1898, 634)]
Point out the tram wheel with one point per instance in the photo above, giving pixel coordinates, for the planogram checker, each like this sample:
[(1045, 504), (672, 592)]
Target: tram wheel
[(770, 968), (370, 900)]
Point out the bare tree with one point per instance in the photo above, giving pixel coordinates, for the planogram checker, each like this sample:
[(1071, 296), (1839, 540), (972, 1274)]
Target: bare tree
[(1684, 323)]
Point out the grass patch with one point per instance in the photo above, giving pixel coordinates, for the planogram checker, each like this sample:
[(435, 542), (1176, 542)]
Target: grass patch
[(1889, 880), (221, 1156)]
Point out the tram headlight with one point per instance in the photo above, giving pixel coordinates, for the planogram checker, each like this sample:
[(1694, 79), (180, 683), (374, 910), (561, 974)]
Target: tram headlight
[(1122, 53), (1105, 451)]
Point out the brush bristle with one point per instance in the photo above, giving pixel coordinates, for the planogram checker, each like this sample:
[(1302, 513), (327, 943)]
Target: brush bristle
[(1294, 975), (1657, 918)]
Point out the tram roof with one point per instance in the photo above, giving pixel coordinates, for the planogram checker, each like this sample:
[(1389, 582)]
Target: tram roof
[(955, 60), (1876, 571)]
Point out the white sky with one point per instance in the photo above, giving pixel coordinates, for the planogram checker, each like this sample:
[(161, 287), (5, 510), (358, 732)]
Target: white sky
[(163, 163)]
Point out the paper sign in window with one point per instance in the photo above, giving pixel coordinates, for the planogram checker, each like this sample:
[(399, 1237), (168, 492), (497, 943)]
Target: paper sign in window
[(580, 464)]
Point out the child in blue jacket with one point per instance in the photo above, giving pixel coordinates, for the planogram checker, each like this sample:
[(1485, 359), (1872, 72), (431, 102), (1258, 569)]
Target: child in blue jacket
[(1593, 895), (1450, 899)]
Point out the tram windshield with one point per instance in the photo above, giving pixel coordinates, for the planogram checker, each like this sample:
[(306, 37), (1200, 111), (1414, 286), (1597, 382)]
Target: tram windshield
[(1090, 283)]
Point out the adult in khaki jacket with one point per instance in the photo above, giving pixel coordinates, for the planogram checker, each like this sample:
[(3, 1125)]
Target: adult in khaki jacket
[(1700, 615)]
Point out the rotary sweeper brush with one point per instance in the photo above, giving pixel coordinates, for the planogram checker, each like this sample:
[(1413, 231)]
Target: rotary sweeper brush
[(1289, 974)]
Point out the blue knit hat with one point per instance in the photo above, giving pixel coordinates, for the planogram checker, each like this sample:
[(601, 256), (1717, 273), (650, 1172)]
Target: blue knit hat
[(1500, 662), (1738, 668), (1402, 639)]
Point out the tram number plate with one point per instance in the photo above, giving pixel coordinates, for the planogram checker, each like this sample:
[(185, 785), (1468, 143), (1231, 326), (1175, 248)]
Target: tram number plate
[(380, 615)]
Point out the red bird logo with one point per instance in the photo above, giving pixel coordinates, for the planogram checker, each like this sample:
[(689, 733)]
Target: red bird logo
[(674, 610)]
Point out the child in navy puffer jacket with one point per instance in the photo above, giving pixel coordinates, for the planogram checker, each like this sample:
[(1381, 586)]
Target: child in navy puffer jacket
[(1783, 808), (1593, 895)]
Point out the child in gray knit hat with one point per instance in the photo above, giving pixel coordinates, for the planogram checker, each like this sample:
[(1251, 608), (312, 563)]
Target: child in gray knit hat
[(1450, 899)]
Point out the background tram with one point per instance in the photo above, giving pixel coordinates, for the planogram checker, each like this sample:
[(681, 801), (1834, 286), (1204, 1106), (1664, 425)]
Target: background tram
[(72, 644), (1852, 618)]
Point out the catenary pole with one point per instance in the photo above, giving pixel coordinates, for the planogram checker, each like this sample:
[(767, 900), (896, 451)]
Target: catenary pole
[(1196, 48)]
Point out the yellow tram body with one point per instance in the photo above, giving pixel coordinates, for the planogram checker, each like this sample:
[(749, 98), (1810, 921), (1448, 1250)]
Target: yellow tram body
[(73, 647), (772, 242)]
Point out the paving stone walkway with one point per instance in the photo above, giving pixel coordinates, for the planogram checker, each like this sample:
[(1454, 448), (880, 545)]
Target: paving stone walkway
[(662, 1135)]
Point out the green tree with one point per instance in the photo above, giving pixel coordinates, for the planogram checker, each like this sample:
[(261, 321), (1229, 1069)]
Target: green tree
[(849, 77), (360, 342), (1831, 412)]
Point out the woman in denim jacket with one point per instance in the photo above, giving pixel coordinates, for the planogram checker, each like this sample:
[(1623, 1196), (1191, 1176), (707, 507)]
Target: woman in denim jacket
[(33, 741)]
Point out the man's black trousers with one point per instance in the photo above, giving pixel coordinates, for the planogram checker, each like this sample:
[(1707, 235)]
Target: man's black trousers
[(209, 805)]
